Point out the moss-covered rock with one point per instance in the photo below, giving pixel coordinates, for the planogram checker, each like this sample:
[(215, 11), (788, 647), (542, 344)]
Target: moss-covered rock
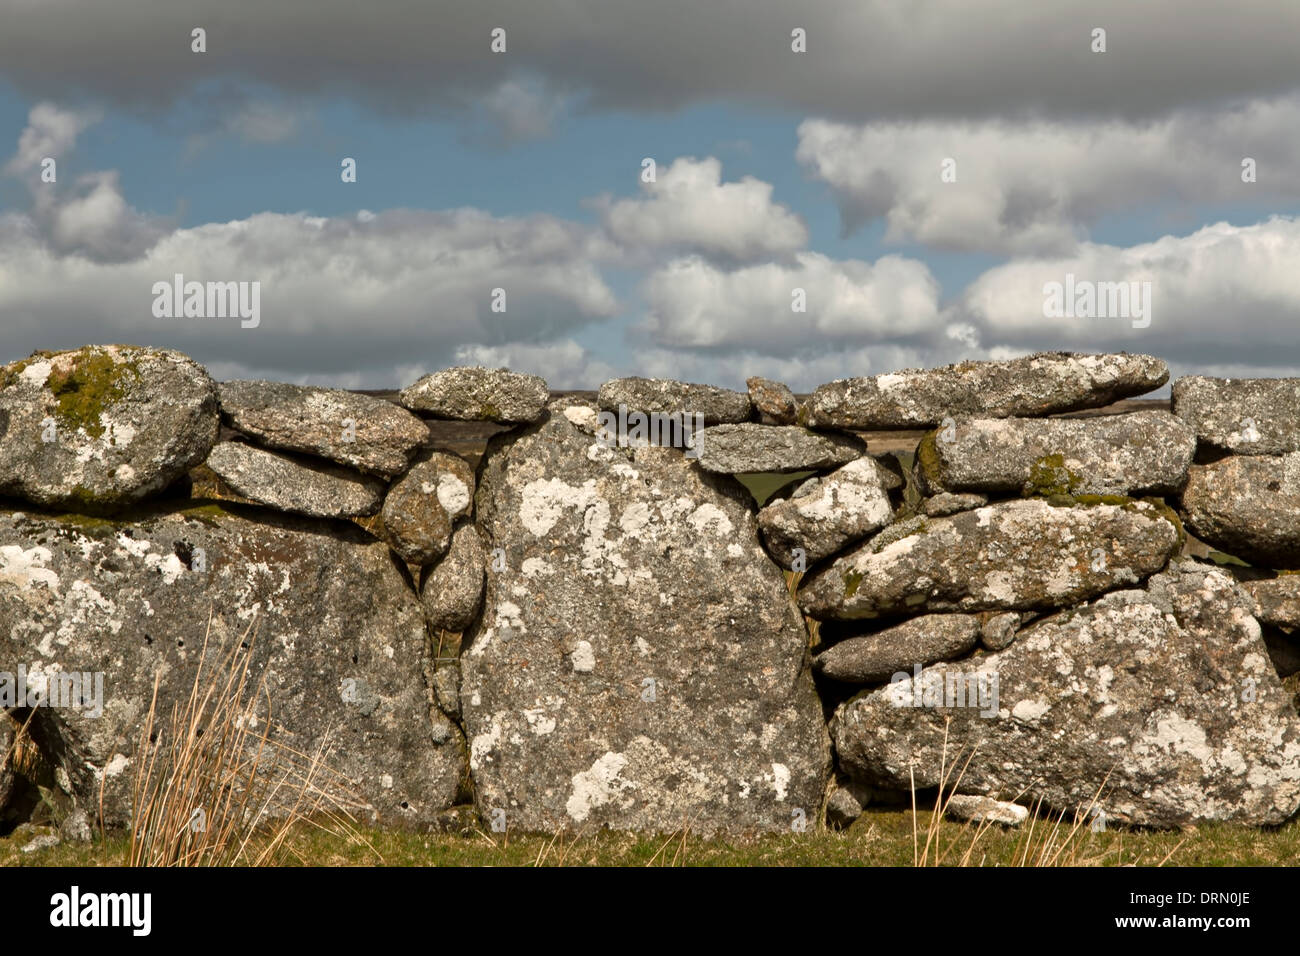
[(97, 429)]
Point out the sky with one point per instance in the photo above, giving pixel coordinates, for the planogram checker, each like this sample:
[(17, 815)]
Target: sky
[(914, 173)]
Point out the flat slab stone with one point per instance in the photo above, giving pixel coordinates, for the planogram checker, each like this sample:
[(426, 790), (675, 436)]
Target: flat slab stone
[(666, 397), (875, 658), (330, 623), (286, 484), (1141, 453), (1140, 696), (361, 431), (1041, 384), (946, 503), (639, 664), (1245, 416), (1013, 555), (1248, 506), (102, 427), (470, 393), (750, 447)]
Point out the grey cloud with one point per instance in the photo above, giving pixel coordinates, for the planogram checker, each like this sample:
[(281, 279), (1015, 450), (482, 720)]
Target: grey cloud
[(865, 60)]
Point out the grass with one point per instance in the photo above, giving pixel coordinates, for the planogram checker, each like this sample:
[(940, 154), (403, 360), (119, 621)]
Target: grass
[(213, 787), (881, 837)]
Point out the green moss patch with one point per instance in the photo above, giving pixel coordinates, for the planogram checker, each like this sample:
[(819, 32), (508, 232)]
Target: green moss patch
[(86, 384), (852, 580), (1049, 477)]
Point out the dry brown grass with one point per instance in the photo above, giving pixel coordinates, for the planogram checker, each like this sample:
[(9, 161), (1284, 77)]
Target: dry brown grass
[(212, 789), (1046, 839)]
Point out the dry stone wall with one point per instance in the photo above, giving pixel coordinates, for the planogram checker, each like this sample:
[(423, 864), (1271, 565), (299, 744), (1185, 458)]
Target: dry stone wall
[(600, 625)]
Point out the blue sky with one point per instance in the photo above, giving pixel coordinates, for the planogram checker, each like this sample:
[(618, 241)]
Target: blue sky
[(226, 167)]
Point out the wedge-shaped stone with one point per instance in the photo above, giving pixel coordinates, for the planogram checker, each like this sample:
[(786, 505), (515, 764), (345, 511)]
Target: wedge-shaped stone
[(1014, 555), (1246, 416), (773, 400), (826, 514), (1248, 506), (1141, 453), (452, 590), (320, 613), (639, 662), (1161, 703), (1040, 384), (286, 484), (357, 430), (102, 427)]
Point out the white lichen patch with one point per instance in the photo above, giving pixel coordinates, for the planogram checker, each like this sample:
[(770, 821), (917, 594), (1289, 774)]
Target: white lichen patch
[(544, 501), (709, 516), (27, 568), (583, 658), (1028, 711), (453, 495), (780, 781), (539, 721), (598, 786), (483, 744), (536, 567)]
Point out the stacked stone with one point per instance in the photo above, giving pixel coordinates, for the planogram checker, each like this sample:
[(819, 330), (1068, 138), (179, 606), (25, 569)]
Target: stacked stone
[(1243, 493), (1035, 568), (629, 653)]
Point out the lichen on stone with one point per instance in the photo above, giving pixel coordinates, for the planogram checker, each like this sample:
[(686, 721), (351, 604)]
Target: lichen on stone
[(10, 373)]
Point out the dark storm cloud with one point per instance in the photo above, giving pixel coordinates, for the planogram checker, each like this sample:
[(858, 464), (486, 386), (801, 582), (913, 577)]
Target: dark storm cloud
[(864, 59)]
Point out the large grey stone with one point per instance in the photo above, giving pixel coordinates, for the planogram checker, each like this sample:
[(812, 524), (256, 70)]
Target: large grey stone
[(452, 590), (1163, 700), (1013, 555), (286, 484), (1040, 384), (875, 658), (358, 430), (639, 664), (1246, 416), (332, 626), (666, 397), (1145, 452), (470, 393), (1248, 506), (104, 426), (826, 514), (749, 447)]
